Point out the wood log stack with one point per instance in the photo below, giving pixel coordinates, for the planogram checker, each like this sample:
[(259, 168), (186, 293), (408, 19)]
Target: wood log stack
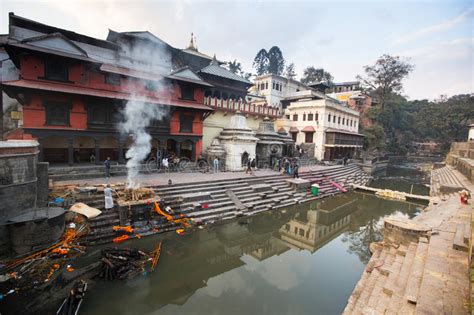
[(122, 263), (136, 194)]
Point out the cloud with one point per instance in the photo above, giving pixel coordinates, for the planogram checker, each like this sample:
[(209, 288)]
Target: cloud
[(467, 15)]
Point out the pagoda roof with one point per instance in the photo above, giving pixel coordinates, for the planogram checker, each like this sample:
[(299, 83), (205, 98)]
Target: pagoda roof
[(218, 71)]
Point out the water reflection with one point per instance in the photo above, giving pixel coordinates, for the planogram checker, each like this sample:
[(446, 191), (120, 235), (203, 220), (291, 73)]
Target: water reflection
[(301, 260)]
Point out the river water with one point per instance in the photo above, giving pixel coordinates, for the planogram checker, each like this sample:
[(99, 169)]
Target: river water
[(300, 260)]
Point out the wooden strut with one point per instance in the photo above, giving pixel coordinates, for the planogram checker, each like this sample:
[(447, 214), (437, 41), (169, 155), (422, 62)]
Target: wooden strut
[(156, 255)]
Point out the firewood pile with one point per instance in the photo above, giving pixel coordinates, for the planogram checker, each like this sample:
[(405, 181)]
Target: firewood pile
[(138, 194), (122, 263)]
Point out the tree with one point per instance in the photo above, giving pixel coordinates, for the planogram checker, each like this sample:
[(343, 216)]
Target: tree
[(260, 63), (313, 75), (385, 77), (290, 71), (234, 66), (276, 62)]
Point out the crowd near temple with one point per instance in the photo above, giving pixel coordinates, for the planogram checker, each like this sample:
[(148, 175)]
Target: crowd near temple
[(68, 91)]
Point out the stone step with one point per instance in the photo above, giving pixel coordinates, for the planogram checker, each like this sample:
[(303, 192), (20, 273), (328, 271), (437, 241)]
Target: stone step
[(398, 287), (416, 274)]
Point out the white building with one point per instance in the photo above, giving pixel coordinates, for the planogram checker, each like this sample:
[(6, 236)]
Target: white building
[(324, 127), (275, 88)]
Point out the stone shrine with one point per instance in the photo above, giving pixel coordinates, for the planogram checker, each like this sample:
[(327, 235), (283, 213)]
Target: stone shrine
[(270, 144), (238, 141)]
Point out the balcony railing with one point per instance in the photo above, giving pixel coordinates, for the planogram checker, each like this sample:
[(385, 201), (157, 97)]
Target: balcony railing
[(240, 105)]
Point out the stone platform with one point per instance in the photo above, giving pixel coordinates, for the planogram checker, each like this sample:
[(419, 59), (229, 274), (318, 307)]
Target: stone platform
[(425, 272)]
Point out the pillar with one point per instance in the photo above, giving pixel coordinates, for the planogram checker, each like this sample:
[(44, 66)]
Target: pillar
[(97, 151), (121, 143), (178, 148), (70, 151), (193, 151)]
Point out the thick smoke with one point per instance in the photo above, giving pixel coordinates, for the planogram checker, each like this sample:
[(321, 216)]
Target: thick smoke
[(138, 116), (152, 58)]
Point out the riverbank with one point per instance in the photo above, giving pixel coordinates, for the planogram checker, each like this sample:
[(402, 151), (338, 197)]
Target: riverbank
[(422, 265)]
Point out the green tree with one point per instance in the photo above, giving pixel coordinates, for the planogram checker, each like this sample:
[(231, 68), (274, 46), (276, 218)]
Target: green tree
[(313, 75), (234, 66), (385, 77), (276, 62), (290, 71), (260, 62)]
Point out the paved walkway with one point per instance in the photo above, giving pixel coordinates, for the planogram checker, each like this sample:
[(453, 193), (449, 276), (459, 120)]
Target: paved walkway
[(179, 178)]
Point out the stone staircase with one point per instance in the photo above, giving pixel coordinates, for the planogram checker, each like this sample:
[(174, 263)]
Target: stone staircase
[(444, 182), (426, 276), (220, 206)]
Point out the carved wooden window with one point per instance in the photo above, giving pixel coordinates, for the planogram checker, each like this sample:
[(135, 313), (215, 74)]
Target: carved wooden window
[(187, 91), (57, 113), (186, 123), (56, 70), (112, 79)]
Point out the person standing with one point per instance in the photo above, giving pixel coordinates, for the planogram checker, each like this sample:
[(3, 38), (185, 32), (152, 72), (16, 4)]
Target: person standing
[(107, 167), (109, 200), (249, 166), (253, 165), (216, 165), (295, 171), (165, 164)]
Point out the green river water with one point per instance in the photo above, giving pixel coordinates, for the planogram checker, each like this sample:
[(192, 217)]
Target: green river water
[(300, 260)]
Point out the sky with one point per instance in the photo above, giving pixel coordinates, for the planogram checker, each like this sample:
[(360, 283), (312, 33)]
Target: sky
[(339, 36)]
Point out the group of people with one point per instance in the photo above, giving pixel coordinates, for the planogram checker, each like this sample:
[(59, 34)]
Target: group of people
[(288, 166)]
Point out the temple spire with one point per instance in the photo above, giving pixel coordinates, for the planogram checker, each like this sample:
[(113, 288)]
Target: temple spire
[(192, 43), (214, 60)]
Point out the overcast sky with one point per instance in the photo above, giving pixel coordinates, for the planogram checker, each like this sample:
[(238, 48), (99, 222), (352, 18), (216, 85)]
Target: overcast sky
[(341, 37)]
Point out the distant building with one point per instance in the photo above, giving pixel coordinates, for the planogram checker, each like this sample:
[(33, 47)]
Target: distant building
[(352, 94), (324, 127), (275, 88)]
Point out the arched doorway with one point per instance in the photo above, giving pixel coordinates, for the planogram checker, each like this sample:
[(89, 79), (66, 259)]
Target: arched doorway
[(55, 149), (171, 146), (83, 149), (108, 148), (186, 149), (244, 159)]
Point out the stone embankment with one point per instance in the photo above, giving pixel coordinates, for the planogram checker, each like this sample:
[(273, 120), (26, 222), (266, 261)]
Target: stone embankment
[(422, 266), (255, 193)]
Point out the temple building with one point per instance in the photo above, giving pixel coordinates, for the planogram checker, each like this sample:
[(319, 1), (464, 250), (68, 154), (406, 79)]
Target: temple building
[(72, 89), (324, 127)]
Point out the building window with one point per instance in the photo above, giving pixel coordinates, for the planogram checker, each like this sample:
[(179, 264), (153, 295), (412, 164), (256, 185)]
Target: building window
[(310, 117), (186, 123), (329, 118), (334, 119), (266, 85), (273, 87), (304, 117), (280, 87), (308, 137), (57, 113), (343, 121), (112, 79), (187, 91), (56, 70), (288, 117), (339, 119), (295, 117), (316, 117), (301, 232)]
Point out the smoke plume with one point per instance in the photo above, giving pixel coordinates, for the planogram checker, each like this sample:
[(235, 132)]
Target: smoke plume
[(138, 116), (149, 55)]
